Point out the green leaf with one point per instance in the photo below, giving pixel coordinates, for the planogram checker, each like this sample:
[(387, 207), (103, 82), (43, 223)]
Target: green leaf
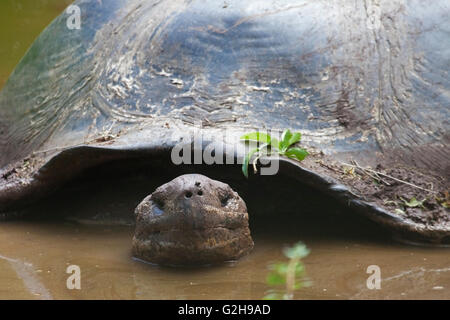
[(280, 268), (275, 279), (279, 273), (297, 153), (298, 251), (246, 160), (296, 137), (299, 269), (390, 202), (399, 211), (256, 136), (414, 203), (275, 144), (285, 137)]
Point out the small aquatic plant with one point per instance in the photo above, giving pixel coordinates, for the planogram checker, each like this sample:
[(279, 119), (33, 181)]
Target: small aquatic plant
[(288, 277), (269, 146)]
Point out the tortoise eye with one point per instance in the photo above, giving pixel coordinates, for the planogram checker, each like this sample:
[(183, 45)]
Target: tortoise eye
[(158, 207), (188, 194), (200, 192), (224, 200), (157, 210)]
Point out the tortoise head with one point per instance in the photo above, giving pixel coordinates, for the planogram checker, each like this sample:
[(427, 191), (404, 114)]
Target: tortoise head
[(192, 220)]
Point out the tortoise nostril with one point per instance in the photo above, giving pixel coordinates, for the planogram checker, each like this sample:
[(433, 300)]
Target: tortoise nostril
[(200, 192), (188, 194)]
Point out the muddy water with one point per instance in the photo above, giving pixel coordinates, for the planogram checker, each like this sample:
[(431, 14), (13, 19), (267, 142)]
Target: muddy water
[(34, 257)]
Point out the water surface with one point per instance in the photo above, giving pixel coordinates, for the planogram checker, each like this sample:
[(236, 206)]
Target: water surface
[(34, 257)]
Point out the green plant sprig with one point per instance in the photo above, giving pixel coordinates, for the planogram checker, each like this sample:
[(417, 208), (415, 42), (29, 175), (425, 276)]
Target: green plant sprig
[(288, 277), (271, 146)]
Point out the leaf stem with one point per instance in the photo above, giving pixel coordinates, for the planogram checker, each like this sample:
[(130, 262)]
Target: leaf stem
[(290, 278)]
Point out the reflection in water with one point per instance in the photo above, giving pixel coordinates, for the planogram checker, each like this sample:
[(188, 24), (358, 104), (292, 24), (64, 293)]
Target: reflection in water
[(26, 273), (35, 255)]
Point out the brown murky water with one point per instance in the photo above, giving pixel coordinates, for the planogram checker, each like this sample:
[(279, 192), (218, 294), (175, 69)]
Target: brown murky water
[(34, 257)]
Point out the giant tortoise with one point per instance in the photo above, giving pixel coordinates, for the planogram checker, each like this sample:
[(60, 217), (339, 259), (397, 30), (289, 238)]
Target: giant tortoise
[(365, 82)]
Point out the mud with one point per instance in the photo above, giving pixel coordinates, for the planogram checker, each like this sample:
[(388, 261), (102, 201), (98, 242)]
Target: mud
[(391, 187)]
